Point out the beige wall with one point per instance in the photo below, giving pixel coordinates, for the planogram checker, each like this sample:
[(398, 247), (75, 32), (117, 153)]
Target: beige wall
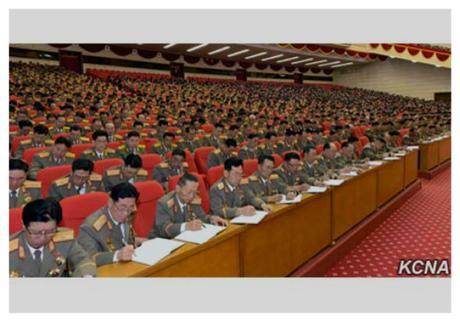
[(397, 77)]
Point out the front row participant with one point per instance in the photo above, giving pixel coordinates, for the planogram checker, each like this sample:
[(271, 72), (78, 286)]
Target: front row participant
[(180, 210), (228, 197), (41, 249)]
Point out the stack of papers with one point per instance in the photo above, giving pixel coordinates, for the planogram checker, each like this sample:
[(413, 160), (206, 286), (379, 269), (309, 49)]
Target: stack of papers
[(400, 154), (200, 236), (351, 174), (154, 250), (315, 189), (254, 219), (391, 158), (375, 163), (297, 199), (336, 182), (412, 147)]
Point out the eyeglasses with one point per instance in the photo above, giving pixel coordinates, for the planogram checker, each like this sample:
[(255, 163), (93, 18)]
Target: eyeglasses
[(125, 209), (42, 233)]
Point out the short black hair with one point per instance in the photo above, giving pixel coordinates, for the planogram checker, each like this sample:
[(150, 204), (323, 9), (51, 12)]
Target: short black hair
[(230, 143), (252, 135), (170, 134), (186, 177), (291, 155), (234, 127), (232, 162), (178, 152), (75, 127), (133, 161), (42, 210), (124, 190), (269, 135), (353, 139), (162, 122), (326, 146), (41, 129), (138, 123), (133, 133), (17, 164), (63, 140), (261, 159), (82, 164), (99, 133), (308, 148), (219, 125), (25, 123)]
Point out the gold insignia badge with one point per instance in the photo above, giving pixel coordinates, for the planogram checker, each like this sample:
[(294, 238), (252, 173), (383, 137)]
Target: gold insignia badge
[(55, 272), (14, 274)]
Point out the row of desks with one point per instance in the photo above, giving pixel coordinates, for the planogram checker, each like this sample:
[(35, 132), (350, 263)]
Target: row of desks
[(434, 153), (287, 237)]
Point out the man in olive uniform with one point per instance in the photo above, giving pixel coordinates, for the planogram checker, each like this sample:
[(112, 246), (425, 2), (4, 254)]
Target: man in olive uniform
[(59, 126), (75, 136), (290, 143), (312, 170), (189, 141), (39, 139), (216, 138), (108, 235), (25, 128), (374, 149), (180, 210), (79, 182), (290, 173), (332, 159), (249, 151), (266, 185), (271, 146), (412, 138), (131, 145), (228, 199), (100, 151), (130, 172), (22, 191), (165, 146), (235, 133), (57, 155), (43, 250), (111, 136), (173, 167), (218, 156)]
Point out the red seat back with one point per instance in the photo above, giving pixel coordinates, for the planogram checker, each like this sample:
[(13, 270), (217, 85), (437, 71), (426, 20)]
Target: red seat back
[(101, 165), (148, 142), (75, 209), (278, 159), (17, 140), (48, 175), (319, 148), (363, 140), (114, 145), (30, 152), (78, 149), (188, 158), (15, 220), (149, 161), (55, 136), (202, 190), (150, 192), (249, 167), (214, 174), (201, 158)]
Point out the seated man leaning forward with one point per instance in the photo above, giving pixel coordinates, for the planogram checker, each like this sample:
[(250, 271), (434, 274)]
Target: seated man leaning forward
[(180, 210)]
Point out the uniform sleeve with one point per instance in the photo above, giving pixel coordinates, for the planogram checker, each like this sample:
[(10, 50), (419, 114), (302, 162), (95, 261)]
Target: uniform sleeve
[(164, 226), (218, 204), (54, 192), (250, 197), (158, 176), (80, 262), (35, 167), (281, 186), (19, 152), (94, 250), (212, 160), (106, 183), (199, 212), (36, 194)]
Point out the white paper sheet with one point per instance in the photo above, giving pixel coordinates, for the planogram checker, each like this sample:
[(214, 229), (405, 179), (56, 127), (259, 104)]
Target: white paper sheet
[(297, 199), (255, 219), (391, 158), (200, 236), (412, 147), (334, 182), (375, 163), (152, 251), (351, 174), (400, 154), (315, 189)]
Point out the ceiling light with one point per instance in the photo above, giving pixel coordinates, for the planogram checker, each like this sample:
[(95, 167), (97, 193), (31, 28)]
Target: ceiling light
[(287, 59), (301, 61), (169, 46), (256, 55), (196, 48), (238, 53), (218, 50), (330, 63), (341, 65), (273, 57), (316, 62)]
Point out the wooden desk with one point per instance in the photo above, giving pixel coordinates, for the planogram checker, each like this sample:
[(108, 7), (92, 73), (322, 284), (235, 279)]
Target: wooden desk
[(390, 180), (434, 153), (353, 201), (287, 238), (410, 167), (444, 149)]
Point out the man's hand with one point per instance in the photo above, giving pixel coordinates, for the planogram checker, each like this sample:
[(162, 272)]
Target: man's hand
[(275, 198), (246, 211), (139, 240), (216, 220), (266, 207), (290, 195), (195, 224), (125, 254), (304, 187)]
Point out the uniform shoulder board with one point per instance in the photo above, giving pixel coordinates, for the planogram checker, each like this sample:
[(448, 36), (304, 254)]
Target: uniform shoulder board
[(63, 235), (50, 142), (26, 141), (216, 151), (88, 152), (44, 154), (69, 155), (99, 222), (195, 139), (118, 136), (142, 172), (196, 201), (174, 145), (181, 140), (84, 139), (66, 128), (274, 176), (253, 178), (32, 184), (244, 148), (220, 186), (185, 164), (62, 181), (208, 135), (110, 150), (95, 177), (113, 172), (121, 147), (141, 146), (244, 181), (170, 203), (163, 165), (178, 132), (262, 146), (157, 145), (14, 244)]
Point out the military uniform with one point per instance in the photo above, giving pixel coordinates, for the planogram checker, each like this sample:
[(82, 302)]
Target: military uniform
[(114, 176), (266, 149), (62, 256), (335, 163), (62, 130), (101, 236), (311, 172), (211, 140), (161, 149), (224, 201), (217, 157), (63, 188), (30, 190), (92, 155), (163, 171), (247, 153), (292, 178), (258, 189), (27, 144), (123, 151), (81, 140), (370, 153), (190, 145), (45, 159), (169, 216), (115, 138)]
